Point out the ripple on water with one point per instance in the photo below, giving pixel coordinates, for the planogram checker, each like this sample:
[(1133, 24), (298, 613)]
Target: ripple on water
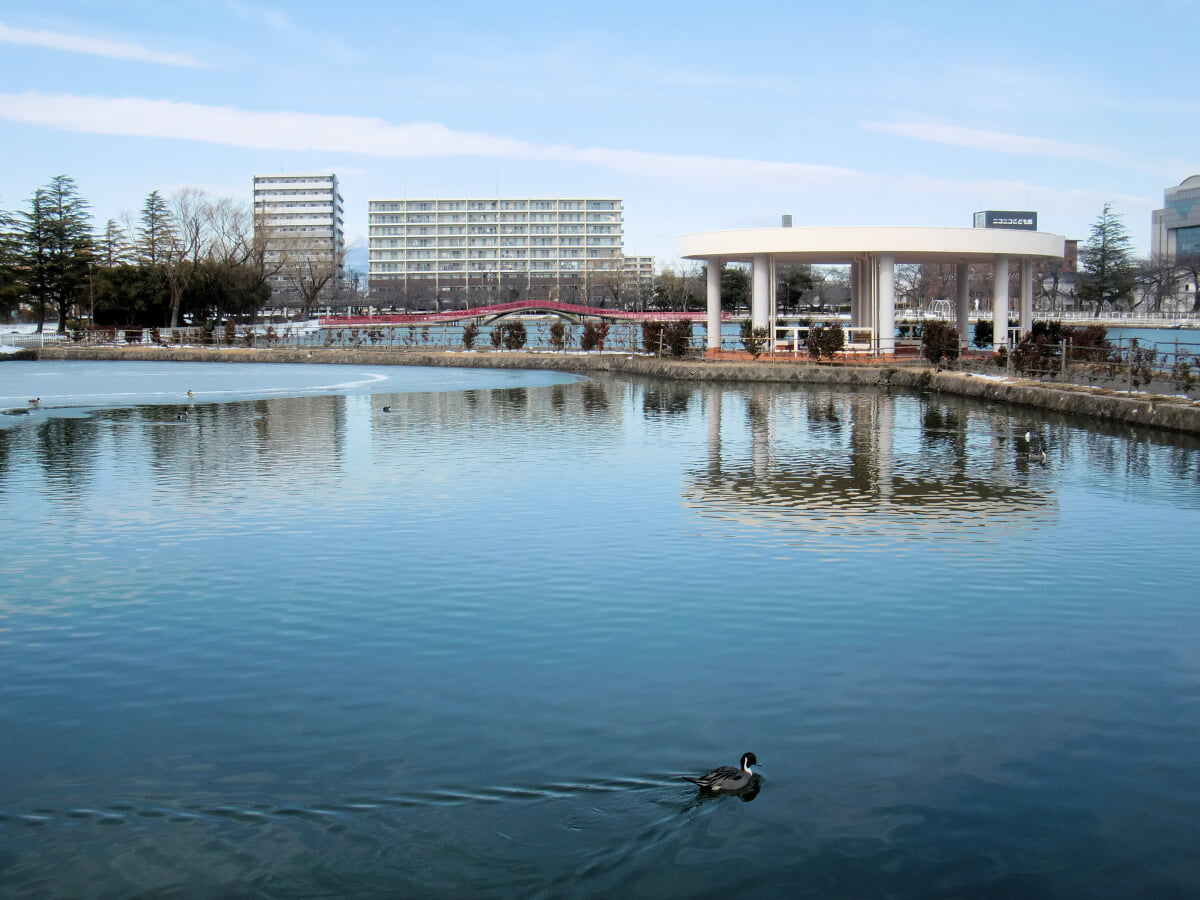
[(302, 647)]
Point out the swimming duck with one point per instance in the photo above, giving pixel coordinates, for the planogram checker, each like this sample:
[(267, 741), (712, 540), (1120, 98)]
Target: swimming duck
[(190, 394), (35, 402), (727, 778), (387, 409), (1033, 447)]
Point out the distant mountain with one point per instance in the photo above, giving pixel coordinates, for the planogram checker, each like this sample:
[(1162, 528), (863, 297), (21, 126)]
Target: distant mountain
[(357, 257)]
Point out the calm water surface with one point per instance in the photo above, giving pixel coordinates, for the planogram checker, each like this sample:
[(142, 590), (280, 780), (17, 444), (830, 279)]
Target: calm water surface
[(294, 645)]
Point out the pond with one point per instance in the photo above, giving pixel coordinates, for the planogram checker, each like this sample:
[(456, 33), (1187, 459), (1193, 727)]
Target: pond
[(366, 631)]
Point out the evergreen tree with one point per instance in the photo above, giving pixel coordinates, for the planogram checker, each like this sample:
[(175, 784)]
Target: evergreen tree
[(1108, 271), (112, 247), (735, 288), (10, 244), (56, 252), (155, 232)]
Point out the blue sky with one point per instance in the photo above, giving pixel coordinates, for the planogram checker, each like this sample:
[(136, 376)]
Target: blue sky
[(698, 115)]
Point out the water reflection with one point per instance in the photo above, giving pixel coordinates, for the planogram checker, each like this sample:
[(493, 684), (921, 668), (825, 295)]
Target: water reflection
[(563, 407), (665, 400), (853, 462), (66, 450)]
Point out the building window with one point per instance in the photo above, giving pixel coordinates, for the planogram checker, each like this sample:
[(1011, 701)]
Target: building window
[(1187, 240)]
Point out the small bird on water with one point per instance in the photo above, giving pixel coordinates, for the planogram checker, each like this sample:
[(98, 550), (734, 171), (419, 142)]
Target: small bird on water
[(35, 402), (190, 394), (1034, 448), (727, 778)]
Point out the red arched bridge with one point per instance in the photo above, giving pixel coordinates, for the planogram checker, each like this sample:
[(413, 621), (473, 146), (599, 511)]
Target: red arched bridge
[(573, 312)]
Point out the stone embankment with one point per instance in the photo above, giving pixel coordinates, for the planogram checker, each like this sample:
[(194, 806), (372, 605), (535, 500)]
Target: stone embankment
[(1172, 413)]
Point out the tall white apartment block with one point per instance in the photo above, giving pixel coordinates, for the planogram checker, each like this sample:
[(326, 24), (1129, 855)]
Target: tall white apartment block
[(304, 217), (495, 249)]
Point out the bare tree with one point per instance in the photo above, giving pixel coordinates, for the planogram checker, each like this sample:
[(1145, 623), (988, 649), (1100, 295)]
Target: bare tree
[(1048, 277), (1189, 267), (309, 266), (1158, 281), (608, 282), (185, 245)]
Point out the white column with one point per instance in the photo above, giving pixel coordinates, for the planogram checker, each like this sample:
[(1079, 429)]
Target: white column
[(760, 291), (714, 303), (855, 302), (1026, 295), (1000, 301), (886, 328), (962, 318)]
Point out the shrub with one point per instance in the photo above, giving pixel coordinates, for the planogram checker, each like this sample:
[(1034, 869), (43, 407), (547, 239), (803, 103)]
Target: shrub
[(1089, 343), (1142, 364), (1182, 375), (753, 339), (558, 334), (667, 337), (984, 333), (825, 341), (652, 337), (469, 333), (1036, 354), (939, 340), (497, 336), (514, 335), (594, 335)]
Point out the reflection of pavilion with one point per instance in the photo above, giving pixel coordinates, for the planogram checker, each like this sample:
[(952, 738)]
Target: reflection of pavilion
[(864, 474)]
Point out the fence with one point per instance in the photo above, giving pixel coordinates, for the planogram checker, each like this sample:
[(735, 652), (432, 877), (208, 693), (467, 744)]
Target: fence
[(619, 336), (1120, 364)]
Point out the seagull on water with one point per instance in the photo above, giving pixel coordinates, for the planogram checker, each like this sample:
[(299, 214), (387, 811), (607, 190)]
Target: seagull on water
[(728, 779)]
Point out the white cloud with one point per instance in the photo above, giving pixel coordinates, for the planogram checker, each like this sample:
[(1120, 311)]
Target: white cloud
[(375, 137), (74, 43), (994, 141), (322, 41), (717, 180)]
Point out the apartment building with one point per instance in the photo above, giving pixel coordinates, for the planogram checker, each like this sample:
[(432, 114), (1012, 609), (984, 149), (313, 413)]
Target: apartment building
[(304, 218), (495, 249), (640, 270)]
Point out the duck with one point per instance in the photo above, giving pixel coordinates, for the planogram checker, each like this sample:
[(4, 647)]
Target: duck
[(190, 394), (1033, 447), (35, 402), (727, 779), (387, 409)]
